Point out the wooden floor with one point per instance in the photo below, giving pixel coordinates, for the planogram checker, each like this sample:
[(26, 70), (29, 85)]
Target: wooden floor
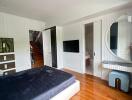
[(93, 88)]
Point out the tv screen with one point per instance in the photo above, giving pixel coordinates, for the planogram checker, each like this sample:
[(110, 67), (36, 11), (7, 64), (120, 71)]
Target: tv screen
[(71, 46)]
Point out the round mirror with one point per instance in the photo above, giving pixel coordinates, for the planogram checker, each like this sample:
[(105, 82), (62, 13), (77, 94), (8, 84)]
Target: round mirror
[(120, 38)]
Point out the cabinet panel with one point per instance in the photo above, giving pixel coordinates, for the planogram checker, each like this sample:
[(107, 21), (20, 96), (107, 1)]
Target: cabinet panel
[(7, 66), (7, 57), (9, 72)]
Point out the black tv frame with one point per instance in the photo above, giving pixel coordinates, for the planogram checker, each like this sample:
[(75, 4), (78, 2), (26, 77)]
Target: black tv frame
[(71, 46)]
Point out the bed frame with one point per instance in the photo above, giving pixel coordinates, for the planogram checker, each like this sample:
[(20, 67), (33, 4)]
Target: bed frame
[(68, 92)]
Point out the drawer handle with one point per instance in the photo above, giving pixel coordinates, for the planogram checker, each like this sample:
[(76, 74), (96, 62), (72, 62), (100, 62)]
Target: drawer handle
[(6, 73), (4, 45), (5, 66), (4, 57)]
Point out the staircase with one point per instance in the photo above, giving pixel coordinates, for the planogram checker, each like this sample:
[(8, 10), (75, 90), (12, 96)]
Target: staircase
[(37, 55)]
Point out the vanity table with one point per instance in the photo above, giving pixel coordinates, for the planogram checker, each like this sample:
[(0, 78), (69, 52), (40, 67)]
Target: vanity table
[(118, 42), (119, 76), (121, 66)]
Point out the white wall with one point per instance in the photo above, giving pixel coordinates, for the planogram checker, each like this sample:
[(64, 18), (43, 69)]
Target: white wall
[(18, 28), (76, 31), (74, 61)]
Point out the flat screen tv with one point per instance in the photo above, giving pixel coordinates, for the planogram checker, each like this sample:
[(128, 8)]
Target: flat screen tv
[(71, 46)]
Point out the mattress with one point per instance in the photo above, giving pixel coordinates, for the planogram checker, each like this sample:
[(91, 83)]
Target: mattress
[(34, 84)]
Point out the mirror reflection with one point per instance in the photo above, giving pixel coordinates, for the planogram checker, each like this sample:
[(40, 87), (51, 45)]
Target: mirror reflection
[(120, 38)]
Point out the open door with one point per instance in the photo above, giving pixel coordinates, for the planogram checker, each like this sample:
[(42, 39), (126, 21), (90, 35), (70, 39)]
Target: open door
[(97, 48), (47, 47)]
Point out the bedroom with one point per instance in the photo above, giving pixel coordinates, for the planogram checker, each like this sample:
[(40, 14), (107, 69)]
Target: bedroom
[(18, 17)]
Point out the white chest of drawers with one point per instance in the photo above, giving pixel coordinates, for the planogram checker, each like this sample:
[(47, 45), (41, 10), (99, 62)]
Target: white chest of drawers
[(7, 63)]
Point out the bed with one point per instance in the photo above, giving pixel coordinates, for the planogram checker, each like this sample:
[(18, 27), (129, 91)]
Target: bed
[(43, 83)]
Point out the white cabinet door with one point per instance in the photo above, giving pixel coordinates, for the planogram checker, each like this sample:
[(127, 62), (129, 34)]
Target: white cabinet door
[(97, 48), (47, 48)]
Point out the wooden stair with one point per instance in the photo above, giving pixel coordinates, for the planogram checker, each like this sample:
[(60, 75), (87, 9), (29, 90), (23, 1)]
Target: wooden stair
[(37, 55)]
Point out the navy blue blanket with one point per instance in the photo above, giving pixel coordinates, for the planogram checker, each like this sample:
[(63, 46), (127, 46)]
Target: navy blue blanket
[(29, 84)]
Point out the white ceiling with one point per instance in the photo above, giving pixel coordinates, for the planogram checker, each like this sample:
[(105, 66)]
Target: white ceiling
[(57, 11)]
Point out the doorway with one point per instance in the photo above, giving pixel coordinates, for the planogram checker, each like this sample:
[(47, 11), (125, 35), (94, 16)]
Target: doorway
[(93, 48), (89, 48), (36, 48)]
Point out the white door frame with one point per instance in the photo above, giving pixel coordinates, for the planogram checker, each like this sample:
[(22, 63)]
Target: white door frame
[(95, 72)]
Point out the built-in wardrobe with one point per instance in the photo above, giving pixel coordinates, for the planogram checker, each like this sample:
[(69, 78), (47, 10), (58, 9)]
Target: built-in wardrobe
[(52, 47)]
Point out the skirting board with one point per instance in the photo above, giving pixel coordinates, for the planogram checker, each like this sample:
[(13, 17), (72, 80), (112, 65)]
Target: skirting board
[(68, 92), (73, 70)]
